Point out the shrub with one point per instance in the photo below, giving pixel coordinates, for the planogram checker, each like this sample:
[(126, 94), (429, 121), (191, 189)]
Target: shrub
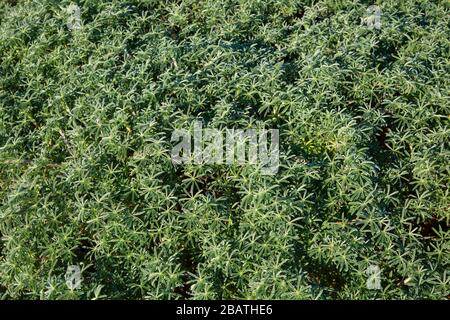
[(86, 176)]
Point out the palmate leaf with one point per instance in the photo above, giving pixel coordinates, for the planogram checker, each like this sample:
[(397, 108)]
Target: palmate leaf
[(86, 177)]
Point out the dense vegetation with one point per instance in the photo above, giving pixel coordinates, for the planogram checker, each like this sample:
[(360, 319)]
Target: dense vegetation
[(86, 176)]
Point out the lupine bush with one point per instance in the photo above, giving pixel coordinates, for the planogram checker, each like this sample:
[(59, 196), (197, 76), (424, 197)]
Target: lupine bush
[(86, 176)]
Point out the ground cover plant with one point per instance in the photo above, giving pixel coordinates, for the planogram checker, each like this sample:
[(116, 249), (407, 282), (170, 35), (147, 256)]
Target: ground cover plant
[(86, 177)]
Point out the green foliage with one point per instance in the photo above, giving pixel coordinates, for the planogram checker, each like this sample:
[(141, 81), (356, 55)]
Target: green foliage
[(86, 176)]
